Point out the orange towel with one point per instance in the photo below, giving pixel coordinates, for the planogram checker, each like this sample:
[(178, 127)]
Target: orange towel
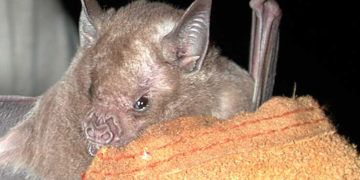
[(287, 138)]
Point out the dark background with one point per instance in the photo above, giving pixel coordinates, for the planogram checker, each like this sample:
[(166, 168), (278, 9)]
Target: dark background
[(319, 50)]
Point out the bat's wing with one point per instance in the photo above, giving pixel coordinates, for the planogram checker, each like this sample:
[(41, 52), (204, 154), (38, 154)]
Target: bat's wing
[(12, 111), (264, 47)]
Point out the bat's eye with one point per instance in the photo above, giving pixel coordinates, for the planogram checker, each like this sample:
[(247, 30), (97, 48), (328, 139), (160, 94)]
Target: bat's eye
[(141, 104)]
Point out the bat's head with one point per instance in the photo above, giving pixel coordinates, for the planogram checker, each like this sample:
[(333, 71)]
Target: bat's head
[(140, 55)]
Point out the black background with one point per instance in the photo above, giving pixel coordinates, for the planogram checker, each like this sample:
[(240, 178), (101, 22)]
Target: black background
[(319, 50)]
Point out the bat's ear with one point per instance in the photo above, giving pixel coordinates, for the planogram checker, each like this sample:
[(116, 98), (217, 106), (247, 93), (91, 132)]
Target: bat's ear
[(89, 22), (13, 110), (186, 45)]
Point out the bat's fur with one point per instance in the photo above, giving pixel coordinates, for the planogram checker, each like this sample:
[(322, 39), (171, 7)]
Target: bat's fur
[(126, 61)]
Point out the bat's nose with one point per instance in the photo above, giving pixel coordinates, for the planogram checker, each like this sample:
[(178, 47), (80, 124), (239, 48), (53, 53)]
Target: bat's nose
[(101, 131), (99, 135)]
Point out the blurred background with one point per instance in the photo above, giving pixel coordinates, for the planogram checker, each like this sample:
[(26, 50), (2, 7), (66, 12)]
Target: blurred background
[(319, 48), (37, 40)]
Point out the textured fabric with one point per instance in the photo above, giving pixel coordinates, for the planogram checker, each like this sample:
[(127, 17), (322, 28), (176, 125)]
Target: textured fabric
[(37, 41), (286, 138)]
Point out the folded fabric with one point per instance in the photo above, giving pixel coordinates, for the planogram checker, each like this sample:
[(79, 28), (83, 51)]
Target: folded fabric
[(284, 138)]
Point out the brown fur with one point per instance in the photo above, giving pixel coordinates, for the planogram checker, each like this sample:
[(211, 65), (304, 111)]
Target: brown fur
[(126, 61)]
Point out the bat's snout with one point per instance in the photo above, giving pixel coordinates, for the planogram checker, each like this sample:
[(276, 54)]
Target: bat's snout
[(102, 129)]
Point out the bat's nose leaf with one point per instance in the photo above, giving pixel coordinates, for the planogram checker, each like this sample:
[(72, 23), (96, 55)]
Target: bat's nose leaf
[(102, 131), (106, 137), (90, 132)]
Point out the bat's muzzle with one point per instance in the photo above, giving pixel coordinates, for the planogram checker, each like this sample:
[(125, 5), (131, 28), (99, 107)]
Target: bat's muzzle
[(101, 129)]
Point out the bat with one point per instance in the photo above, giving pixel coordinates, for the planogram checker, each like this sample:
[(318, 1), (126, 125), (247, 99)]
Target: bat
[(144, 63)]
